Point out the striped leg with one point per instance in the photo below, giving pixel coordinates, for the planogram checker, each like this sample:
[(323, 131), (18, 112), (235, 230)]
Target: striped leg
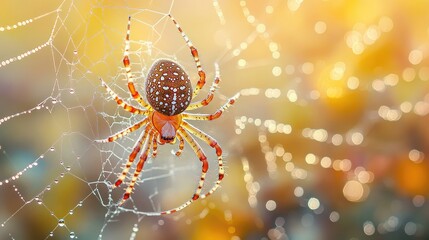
[(121, 102), (210, 95), (196, 116), (181, 145), (127, 66), (205, 166), (212, 143), (194, 53), (199, 152), (136, 150), (125, 132), (139, 167), (155, 144)]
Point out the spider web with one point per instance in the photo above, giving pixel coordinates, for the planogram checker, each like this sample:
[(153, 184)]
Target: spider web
[(313, 113), (83, 43)]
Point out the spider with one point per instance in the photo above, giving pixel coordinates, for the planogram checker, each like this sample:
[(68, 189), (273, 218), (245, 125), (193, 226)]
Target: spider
[(169, 93)]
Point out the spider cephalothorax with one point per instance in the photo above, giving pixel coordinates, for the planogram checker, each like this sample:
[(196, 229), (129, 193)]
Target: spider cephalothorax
[(169, 93)]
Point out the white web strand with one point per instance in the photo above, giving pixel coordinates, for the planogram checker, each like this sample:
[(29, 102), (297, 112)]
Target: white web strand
[(20, 24), (24, 55), (26, 22)]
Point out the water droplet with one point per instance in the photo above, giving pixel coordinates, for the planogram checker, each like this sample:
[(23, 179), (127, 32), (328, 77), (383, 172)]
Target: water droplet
[(56, 181), (52, 149), (68, 168), (80, 204), (72, 235), (48, 188), (61, 222), (72, 91), (51, 234), (71, 212)]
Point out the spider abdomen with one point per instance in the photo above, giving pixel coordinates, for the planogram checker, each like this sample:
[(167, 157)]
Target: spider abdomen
[(168, 87)]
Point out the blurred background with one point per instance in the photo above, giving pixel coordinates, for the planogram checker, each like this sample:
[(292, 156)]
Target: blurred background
[(329, 139)]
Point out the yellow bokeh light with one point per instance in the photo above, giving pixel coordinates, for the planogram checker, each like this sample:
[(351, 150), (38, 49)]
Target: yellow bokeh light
[(354, 191)]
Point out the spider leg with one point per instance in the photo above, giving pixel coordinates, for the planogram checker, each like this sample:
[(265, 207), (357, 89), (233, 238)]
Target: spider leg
[(199, 152), (155, 145), (125, 132), (194, 53), (127, 66), (196, 116), (205, 166), (181, 144), (139, 167), (136, 150), (212, 143), (210, 95), (121, 102)]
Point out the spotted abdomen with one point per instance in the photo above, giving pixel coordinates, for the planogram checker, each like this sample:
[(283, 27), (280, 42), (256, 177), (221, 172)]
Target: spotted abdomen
[(168, 87)]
